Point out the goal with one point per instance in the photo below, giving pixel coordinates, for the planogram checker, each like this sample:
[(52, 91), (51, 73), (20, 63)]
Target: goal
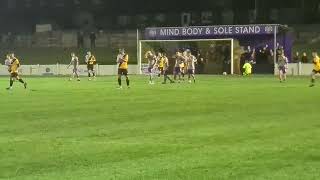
[(215, 56)]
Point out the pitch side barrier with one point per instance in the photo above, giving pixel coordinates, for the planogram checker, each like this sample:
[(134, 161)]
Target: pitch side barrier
[(61, 69), (295, 69)]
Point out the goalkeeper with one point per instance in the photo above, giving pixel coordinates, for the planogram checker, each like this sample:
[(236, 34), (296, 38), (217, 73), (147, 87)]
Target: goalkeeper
[(247, 68)]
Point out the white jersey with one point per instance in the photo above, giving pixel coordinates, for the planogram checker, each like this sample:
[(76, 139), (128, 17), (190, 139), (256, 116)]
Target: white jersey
[(151, 61), (179, 61), (120, 58), (75, 62), (191, 60), (282, 61), (7, 62), (166, 63), (87, 59)]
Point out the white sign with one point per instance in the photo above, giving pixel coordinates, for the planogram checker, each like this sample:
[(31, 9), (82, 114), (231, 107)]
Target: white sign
[(43, 28)]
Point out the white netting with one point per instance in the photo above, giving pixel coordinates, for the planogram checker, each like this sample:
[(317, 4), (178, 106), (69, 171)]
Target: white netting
[(215, 56)]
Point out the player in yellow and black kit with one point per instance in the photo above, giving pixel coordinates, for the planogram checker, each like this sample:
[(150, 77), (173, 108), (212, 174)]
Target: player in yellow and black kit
[(13, 69), (122, 60), (91, 62), (160, 63), (165, 69), (316, 69)]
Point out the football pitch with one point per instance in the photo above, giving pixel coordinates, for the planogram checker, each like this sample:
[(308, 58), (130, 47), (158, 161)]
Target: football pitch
[(220, 128)]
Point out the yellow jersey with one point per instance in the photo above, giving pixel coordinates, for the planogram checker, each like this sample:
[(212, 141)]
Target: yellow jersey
[(247, 68), (15, 64), (316, 62), (124, 63), (182, 65), (165, 63), (161, 62), (92, 60)]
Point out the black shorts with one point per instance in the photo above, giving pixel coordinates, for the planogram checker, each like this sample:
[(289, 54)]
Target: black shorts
[(283, 69), (190, 71), (90, 67), (123, 72), (165, 72), (14, 75), (316, 72), (177, 70), (160, 69)]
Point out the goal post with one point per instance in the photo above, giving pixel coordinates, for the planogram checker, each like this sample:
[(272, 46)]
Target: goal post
[(215, 56)]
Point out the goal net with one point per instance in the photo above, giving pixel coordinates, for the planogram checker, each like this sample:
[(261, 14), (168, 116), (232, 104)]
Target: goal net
[(215, 56)]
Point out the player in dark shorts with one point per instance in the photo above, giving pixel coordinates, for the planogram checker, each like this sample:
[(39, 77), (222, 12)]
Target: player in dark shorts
[(91, 62), (282, 66), (13, 69), (316, 69), (190, 60), (177, 67), (165, 70), (151, 58), (160, 64), (122, 61)]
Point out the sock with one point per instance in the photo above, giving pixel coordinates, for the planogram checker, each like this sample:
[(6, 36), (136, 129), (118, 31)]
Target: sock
[(94, 74), (119, 81), (128, 82), (11, 82), (313, 81), (20, 80), (89, 75)]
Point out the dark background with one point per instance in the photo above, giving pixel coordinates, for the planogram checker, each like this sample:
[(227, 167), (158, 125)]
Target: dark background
[(23, 15)]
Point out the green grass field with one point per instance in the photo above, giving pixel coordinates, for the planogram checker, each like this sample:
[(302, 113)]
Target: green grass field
[(221, 128)]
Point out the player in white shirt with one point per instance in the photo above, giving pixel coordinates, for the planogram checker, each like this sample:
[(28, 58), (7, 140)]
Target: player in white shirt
[(178, 64), (7, 62), (191, 60), (75, 65), (282, 66), (152, 59)]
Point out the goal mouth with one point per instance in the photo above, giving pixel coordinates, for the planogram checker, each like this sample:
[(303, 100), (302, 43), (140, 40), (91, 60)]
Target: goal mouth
[(214, 56)]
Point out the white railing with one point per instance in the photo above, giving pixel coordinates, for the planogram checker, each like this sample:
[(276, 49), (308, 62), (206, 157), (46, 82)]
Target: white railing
[(297, 69), (61, 69)]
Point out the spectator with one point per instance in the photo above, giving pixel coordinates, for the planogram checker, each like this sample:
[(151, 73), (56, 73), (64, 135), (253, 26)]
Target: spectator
[(296, 57), (304, 58), (93, 38), (264, 56), (258, 56), (268, 54), (80, 39), (200, 63), (227, 60)]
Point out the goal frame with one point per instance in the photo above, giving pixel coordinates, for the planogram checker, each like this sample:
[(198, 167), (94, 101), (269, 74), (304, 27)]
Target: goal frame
[(185, 40)]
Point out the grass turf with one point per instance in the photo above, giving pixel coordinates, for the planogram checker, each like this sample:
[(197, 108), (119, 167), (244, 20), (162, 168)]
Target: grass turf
[(220, 128)]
